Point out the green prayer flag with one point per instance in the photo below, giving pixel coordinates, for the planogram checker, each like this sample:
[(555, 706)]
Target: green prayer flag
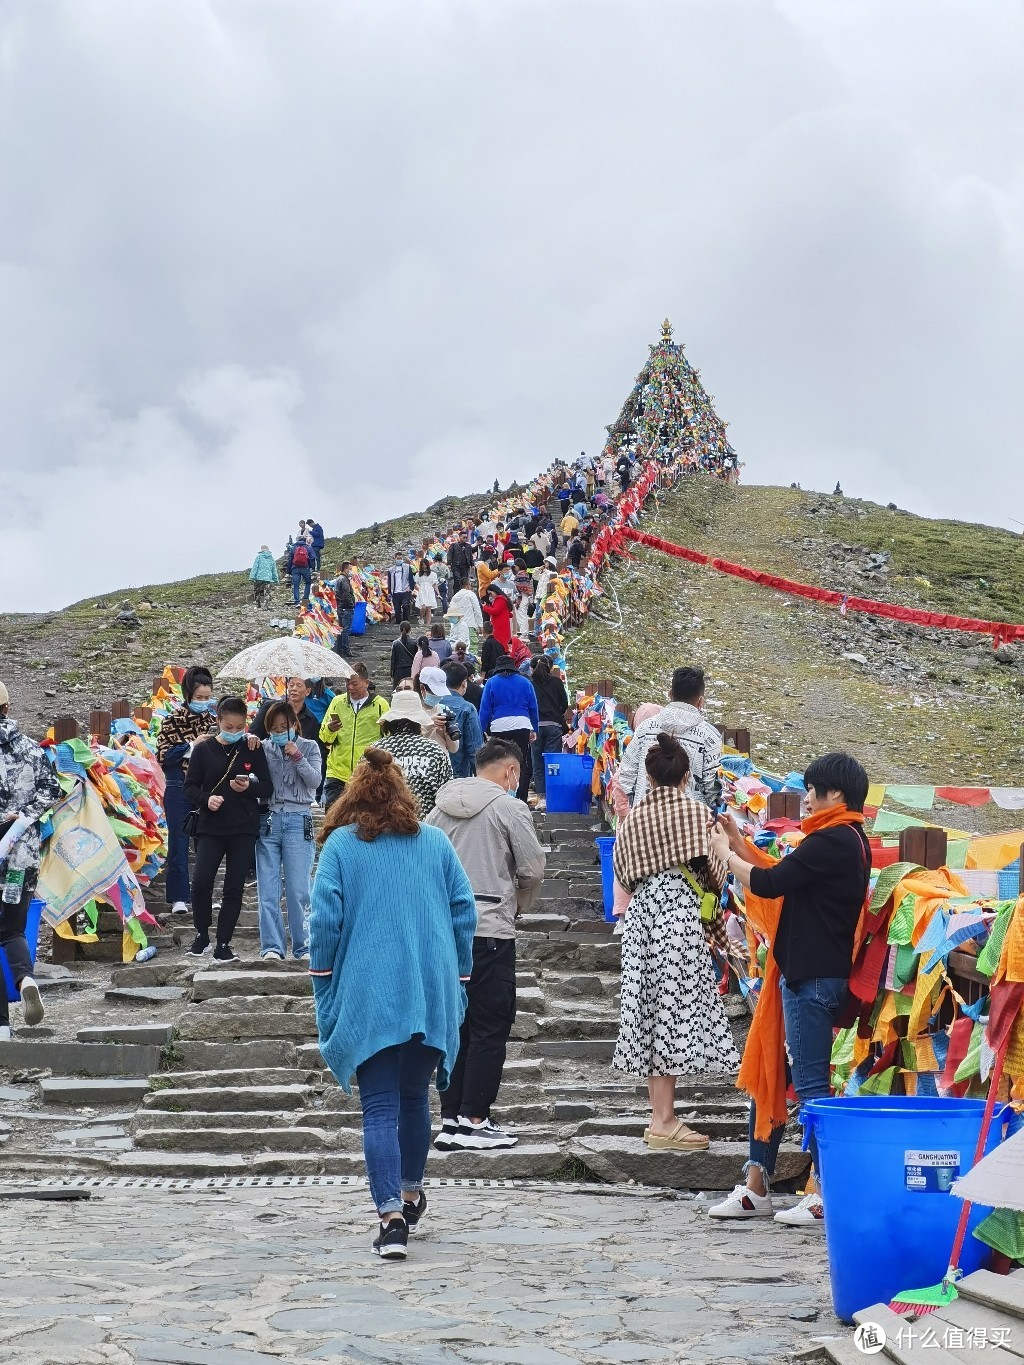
[(890, 821), (956, 853), (917, 798), (901, 926)]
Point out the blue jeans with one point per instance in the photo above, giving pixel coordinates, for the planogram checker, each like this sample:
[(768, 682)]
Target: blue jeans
[(548, 741), (810, 1008), (341, 644), (177, 883), (393, 1086), (305, 577), (284, 848)]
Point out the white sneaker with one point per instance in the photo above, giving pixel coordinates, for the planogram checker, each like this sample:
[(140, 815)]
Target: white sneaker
[(743, 1203), (481, 1136), (31, 1001), (271, 955), (5, 1033), (181, 908), (809, 1213)]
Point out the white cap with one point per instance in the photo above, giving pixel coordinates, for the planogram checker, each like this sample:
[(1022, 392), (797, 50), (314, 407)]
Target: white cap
[(435, 680)]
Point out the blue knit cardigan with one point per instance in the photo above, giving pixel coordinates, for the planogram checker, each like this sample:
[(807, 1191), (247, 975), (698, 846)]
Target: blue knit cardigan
[(391, 932)]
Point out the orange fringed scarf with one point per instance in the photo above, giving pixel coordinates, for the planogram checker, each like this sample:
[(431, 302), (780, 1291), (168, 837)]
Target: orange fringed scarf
[(763, 1068)]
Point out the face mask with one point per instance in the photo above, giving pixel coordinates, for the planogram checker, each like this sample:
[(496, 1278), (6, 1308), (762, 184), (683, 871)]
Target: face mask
[(199, 708), (280, 739), (231, 737), (429, 699)]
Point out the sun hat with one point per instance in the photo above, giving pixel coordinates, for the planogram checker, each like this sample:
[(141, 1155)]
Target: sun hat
[(434, 679), (5, 696), (505, 664), (407, 706), (552, 561)]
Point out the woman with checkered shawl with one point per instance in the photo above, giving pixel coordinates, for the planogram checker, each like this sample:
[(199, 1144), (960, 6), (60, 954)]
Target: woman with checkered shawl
[(671, 1019)]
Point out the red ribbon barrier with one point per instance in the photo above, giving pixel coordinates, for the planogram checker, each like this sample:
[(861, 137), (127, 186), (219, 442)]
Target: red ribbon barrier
[(1002, 632)]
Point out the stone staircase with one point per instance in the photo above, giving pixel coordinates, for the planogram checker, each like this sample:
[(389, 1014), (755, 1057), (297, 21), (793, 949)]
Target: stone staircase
[(230, 1081)]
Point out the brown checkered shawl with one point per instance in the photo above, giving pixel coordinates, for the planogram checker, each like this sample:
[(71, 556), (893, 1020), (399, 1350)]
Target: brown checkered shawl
[(663, 831)]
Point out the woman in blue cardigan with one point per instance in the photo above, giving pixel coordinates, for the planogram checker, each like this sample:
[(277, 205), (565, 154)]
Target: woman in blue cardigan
[(390, 941)]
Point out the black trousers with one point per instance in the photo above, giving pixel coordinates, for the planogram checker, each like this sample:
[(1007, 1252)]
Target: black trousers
[(13, 941), (333, 788), (400, 602), (490, 1014), (238, 853)]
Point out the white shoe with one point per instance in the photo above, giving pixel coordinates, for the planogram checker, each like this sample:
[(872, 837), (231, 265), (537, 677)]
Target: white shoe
[(809, 1213), (31, 1002), (617, 931), (481, 1136), (5, 1033), (271, 955), (181, 908), (743, 1203)]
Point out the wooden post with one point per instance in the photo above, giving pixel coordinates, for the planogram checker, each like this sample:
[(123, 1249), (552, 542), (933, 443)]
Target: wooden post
[(738, 739), (99, 726), (158, 680), (65, 727), (120, 709), (784, 806), (604, 686), (144, 715), (923, 845)]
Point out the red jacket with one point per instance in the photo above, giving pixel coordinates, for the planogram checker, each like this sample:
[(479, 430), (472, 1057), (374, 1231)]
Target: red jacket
[(500, 613)]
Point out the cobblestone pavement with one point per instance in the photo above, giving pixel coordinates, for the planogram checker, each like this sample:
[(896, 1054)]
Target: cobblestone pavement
[(538, 1275)]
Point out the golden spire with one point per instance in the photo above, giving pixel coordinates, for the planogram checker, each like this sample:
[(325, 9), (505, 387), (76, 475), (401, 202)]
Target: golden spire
[(666, 330)]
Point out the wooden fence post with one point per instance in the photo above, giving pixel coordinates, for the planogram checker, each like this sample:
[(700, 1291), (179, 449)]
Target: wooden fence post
[(604, 686), (99, 726), (923, 845), (120, 709), (143, 716), (784, 805), (65, 727)]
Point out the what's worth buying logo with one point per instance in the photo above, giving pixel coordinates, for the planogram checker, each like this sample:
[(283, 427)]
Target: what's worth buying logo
[(869, 1339)]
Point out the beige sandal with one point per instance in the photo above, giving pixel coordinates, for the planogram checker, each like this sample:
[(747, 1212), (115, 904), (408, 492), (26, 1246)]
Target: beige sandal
[(681, 1139)]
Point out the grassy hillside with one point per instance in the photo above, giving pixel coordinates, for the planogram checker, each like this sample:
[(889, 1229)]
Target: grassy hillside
[(926, 706), (923, 705)]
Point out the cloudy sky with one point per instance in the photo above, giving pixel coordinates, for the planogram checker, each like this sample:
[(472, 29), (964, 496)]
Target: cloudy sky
[(264, 258)]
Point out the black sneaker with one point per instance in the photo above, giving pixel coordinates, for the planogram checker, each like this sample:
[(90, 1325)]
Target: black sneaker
[(225, 953), (200, 947), (392, 1242), (414, 1213), (481, 1136), (444, 1142)]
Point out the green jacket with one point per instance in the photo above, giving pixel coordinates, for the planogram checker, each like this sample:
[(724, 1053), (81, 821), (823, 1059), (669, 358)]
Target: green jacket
[(359, 729)]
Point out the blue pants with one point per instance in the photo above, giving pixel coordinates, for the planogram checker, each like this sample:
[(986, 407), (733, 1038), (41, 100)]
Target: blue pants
[(341, 644), (548, 741), (177, 881), (810, 1009), (284, 848), (393, 1086), (304, 576)]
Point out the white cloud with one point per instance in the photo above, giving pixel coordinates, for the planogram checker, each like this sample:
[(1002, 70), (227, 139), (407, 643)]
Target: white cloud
[(398, 249)]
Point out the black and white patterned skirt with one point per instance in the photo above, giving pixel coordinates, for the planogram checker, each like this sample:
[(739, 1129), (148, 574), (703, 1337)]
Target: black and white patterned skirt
[(671, 1018)]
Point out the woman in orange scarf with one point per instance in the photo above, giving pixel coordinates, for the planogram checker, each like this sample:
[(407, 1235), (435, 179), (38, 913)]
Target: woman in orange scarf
[(809, 905)]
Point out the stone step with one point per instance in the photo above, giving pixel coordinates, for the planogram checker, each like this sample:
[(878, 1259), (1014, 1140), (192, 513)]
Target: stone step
[(577, 1049), (92, 1090), (158, 1034), (217, 984), (241, 1076), (250, 1141), (573, 986), (621, 1159), (144, 995), (229, 1097), (530, 999), (81, 1059), (229, 1026), (575, 1026), (517, 1163), (206, 1056)]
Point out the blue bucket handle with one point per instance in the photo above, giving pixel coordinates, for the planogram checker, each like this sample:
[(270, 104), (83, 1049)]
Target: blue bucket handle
[(1003, 1113)]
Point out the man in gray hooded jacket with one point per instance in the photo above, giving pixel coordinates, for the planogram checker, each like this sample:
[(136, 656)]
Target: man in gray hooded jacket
[(494, 837)]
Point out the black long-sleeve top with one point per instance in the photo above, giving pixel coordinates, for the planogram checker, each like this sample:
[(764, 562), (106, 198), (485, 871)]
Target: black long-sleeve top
[(823, 883), (240, 813)]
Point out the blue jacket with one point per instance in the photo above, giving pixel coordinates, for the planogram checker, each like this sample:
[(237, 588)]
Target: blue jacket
[(397, 909), (465, 713), (508, 694), (316, 532)]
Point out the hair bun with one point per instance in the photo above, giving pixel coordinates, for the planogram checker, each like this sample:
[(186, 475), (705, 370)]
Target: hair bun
[(377, 758)]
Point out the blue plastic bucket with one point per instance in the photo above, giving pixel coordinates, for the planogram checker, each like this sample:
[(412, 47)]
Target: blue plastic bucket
[(886, 1165), (35, 911), (606, 846), (568, 778), (358, 626)]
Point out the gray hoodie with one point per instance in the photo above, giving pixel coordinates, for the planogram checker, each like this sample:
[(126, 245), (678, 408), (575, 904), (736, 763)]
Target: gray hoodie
[(494, 837)]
